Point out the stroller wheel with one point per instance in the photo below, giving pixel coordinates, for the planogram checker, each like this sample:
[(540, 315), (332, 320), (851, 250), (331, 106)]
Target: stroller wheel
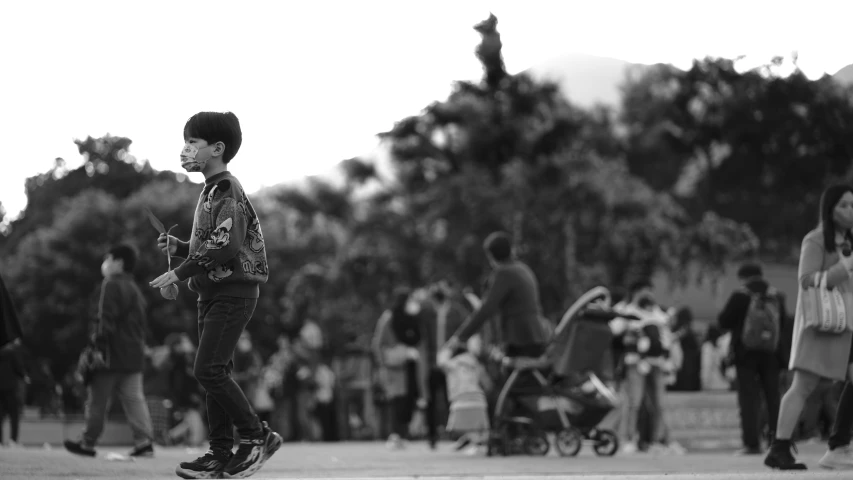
[(606, 443), (569, 442), (536, 443)]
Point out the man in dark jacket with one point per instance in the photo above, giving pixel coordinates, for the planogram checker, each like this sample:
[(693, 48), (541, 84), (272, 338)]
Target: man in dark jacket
[(758, 367), (120, 341), (514, 295)]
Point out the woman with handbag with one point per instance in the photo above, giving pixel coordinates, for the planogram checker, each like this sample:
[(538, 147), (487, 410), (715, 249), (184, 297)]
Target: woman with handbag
[(821, 346)]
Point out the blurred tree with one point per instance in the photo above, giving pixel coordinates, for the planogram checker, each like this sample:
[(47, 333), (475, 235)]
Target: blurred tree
[(741, 144), (511, 153)]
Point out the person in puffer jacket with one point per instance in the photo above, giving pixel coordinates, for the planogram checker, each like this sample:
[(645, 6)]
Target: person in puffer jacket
[(646, 340)]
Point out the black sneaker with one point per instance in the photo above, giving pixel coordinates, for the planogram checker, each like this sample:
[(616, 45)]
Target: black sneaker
[(780, 457), (252, 454), (209, 465), (140, 451), (79, 448)]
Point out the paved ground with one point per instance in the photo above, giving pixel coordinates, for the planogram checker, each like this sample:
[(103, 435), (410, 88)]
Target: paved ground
[(371, 460)]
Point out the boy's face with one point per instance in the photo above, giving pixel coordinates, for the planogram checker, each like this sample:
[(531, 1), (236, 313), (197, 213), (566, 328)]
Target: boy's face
[(111, 266), (196, 154)]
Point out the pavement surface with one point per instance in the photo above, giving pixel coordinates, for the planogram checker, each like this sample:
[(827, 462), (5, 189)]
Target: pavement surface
[(372, 460)]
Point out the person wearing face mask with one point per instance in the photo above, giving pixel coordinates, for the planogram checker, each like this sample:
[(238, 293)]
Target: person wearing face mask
[(225, 264), (755, 314), (397, 347), (814, 354)]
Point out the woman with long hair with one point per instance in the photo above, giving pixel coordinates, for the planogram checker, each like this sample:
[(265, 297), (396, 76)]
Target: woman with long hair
[(815, 354)]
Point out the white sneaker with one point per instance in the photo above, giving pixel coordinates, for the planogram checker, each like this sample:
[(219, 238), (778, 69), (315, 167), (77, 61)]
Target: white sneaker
[(839, 459), (474, 450), (676, 448), (394, 442), (629, 448)]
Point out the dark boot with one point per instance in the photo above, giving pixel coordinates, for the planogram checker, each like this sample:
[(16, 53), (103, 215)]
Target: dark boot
[(780, 456)]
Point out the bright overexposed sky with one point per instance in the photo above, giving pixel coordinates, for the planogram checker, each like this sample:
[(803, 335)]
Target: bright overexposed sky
[(313, 82)]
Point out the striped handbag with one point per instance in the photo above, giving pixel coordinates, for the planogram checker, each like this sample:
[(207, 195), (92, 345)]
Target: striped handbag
[(825, 309)]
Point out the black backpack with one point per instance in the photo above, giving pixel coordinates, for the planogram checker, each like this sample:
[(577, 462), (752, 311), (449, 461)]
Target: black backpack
[(762, 324)]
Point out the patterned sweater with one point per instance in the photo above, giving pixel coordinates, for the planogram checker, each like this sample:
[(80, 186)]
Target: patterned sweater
[(226, 254)]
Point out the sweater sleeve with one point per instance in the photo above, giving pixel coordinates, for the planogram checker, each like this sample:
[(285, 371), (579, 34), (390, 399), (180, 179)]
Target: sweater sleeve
[(490, 306), (811, 261), (223, 244), (183, 249)]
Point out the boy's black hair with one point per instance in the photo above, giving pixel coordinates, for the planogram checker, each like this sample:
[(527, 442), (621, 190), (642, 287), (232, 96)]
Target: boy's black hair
[(749, 270), (215, 127), (499, 246), (126, 253)]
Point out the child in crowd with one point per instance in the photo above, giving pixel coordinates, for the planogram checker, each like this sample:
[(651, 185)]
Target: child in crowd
[(466, 386)]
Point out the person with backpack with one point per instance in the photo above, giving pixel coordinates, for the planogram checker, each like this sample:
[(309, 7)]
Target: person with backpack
[(755, 315)]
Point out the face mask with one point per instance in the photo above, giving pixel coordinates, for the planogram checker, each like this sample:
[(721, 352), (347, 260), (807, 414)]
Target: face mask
[(844, 218), (413, 308), (188, 160)]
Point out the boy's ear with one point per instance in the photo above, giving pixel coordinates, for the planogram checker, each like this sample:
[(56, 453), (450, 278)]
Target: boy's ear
[(218, 149)]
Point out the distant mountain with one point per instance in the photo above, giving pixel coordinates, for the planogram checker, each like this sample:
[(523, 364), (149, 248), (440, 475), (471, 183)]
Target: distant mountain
[(586, 79), (845, 75)]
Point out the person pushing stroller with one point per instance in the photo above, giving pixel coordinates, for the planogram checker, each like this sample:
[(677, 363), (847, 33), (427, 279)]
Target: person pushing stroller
[(513, 294)]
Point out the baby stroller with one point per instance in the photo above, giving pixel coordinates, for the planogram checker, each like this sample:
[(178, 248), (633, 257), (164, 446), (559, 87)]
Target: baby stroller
[(560, 393)]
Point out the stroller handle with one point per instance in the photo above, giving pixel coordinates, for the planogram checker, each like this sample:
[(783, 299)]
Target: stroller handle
[(580, 303)]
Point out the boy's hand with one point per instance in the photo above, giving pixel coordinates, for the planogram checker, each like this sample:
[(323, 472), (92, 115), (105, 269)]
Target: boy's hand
[(173, 244), (164, 280)]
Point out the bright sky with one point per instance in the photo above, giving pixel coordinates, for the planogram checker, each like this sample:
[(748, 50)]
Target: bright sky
[(313, 82)]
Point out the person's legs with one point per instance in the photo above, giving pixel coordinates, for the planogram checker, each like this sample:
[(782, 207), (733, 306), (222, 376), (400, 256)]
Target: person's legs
[(657, 390), (132, 398), (635, 383), (748, 401), (768, 373), (790, 409), (3, 411), (14, 409), (224, 319), (436, 388), (97, 405), (839, 454), (841, 428), (222, 322)]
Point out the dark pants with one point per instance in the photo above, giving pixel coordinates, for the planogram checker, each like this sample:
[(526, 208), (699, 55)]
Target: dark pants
[(757, 373), (526, 382), (402, 412), (220, 323), (10, 406), (437, 403), (841, 428)]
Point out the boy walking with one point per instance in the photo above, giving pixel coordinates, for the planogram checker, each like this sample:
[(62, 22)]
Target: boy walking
[(225, 264), (120, 343)]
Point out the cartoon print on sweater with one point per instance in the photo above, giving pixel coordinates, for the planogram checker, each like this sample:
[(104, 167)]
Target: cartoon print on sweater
[(254, 236), (219, 272), (221, 237), (257, 268)]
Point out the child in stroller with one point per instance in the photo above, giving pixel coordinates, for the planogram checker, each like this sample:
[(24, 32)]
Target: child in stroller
[(563, 393)]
